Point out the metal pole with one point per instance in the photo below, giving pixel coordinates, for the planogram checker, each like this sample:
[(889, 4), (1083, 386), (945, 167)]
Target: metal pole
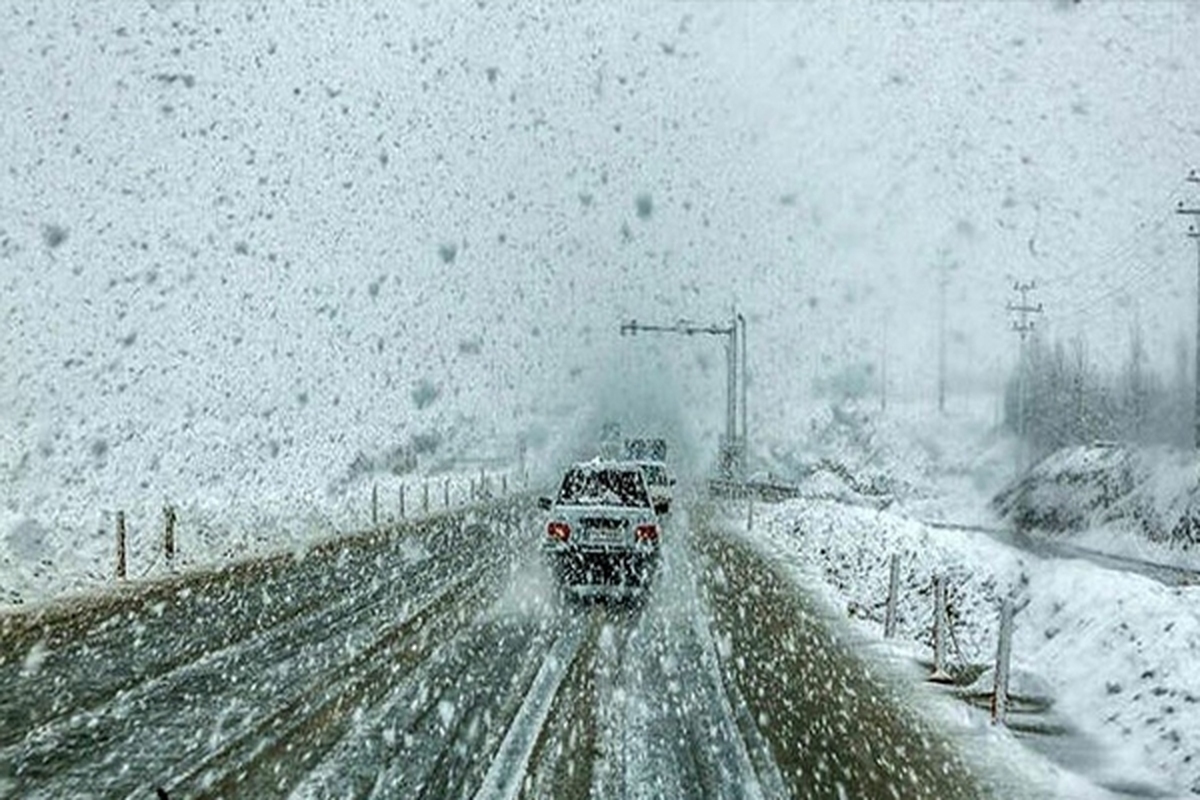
[(939, 631), (1003, 655), (731, 364), (729, 443), (169, 533), (743, 452), (1023, 327), (942, 341), (1193, 232), (883, 367), (1021, 389), (889, 622), (121, 545)]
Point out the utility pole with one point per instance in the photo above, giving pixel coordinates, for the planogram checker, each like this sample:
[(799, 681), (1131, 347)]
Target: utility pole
[(1024, 326), (945, 279), (1194, 234), (731, 386), (883, 363), (944, 269), (732, 456), (745, 434)]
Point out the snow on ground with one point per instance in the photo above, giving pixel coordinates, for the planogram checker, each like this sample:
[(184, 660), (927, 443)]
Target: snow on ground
[(1101, 493), (1116, 651), (42, 559)]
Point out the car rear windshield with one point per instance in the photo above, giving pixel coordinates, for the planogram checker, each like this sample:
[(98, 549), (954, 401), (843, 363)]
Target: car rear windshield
[(603, 487)]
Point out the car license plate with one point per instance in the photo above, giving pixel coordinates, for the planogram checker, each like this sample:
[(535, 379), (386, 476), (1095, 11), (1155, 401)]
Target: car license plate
[(607, 534)]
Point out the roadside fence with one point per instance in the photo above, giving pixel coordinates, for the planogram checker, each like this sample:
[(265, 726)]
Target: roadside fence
[(943, 636), (458, 493)]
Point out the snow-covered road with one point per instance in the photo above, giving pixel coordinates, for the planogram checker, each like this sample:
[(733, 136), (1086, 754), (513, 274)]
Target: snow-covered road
[(441, 663)]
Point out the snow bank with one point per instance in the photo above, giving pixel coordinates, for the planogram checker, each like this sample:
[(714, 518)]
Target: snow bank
[(1153, 492), (1116, 651), (44, 557)]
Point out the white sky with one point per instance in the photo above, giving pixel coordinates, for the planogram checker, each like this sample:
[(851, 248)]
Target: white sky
[(264, 197)]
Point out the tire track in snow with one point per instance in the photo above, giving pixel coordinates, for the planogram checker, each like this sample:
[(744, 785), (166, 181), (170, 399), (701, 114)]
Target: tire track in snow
[(440, 725), (157, 728), (274, 752), (84, 655), (707, 714), (505, 778), (669, 725)]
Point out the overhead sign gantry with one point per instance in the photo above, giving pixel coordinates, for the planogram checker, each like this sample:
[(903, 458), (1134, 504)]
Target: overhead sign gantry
[(731, 458)]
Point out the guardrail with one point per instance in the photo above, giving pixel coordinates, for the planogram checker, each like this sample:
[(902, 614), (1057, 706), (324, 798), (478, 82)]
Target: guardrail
[(775, 492), (766, 491)]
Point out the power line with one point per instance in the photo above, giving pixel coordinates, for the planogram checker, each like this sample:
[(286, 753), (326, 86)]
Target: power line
[(1080, 272), (1098, 281), (1104, 286)]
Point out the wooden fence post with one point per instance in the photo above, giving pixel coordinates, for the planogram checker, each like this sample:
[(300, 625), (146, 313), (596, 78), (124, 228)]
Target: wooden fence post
[(1003, 654), (169, 533), (425, 497), (401, 500), (445, 492), (374, 505), (120, 545), (749, 512), (889, 621), (504, 484), (939, 631)]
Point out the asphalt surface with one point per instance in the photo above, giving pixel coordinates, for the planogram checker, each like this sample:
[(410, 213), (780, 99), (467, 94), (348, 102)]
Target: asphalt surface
[(441, 661), (1048, 545)]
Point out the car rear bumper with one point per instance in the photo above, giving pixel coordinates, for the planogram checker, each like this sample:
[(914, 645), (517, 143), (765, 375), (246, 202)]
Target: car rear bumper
[(591, 566)]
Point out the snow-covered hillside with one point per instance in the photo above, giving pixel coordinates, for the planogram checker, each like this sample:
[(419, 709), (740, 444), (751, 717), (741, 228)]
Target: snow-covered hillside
[(1146, 494)]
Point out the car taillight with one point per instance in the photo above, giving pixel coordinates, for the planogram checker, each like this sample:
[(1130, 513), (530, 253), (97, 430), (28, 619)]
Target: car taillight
[(645, 533), (559, 531)]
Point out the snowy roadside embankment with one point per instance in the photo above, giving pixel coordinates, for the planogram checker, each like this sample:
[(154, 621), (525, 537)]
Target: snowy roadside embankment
[(1116, 650), (1136, 502), (57, 534), (45, 558)]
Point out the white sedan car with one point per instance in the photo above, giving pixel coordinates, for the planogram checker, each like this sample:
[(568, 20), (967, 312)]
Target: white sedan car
[(602, 531)]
